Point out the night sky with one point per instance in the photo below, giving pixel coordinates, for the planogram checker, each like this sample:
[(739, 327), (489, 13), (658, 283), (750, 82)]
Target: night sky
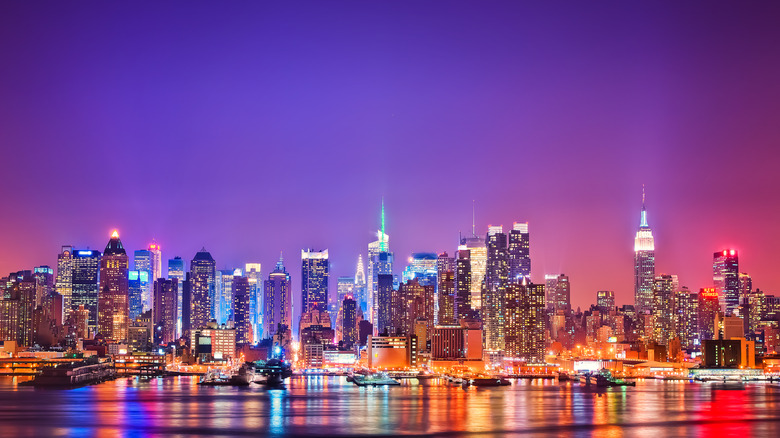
[(252, 128)]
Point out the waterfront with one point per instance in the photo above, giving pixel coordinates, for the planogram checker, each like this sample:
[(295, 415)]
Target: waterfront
[(331, 406)]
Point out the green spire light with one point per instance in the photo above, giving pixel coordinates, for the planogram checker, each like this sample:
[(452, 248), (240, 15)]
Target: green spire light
[(382, 244)]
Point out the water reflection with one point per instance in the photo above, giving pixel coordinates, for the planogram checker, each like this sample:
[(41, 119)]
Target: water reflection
[(331, 406)]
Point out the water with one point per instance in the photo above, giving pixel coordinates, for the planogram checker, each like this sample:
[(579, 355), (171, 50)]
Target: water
[(329, 406)]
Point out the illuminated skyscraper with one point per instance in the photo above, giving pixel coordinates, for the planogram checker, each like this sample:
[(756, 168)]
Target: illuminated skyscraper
[(688, 319), (348, 322), (136, 280), (445, 290), (519, 252), (605, 300), (463, 284), (253, 272), (223, 293), (380, 262), (360, 291), (525, 321), (388, 316), (644, 264), (86, 265), (664, 309), (496, 278), (423, 267), (558, 290), (315, 273), (165, 316), (278, 301), (176, 270), (63, 283), (201, 285), (709, 306), (113, 307), (478, 259), (155, 260), (725, 273), (142, 261), (241, 316)]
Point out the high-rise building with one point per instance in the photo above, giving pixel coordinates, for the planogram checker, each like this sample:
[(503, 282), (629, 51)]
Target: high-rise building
[(63, 283), (113, 306), (360, 291), (380, 262), (278, 301), (387, 320), (176, 270), (142, 261), (519, 252), (445, 266), (254, 273), (242, 320), (664, 309), (463, 284), (525, 321), (478, 259), (496, 278), (135, 285), (349, 321), (44, 283), (709, 306), (688, 319), (605, 300), (223, 293), (201, 285), (725, 274), (558, 292), (165, 310), (423, 267), (155, 260), (86, 265), (315, 272), (644, 264)]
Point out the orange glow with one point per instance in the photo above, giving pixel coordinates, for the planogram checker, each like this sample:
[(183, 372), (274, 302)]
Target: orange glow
[(115, 234)]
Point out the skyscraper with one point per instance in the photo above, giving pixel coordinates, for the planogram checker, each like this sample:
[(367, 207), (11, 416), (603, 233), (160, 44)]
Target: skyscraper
[(478, 258), (519, 252), (558, 290), (176, 271), (644, 264), (380, 261), (201, 284), (387, 314), (525, 321), (423, 267), (496, 277), (253, 272), (445, 267), (315, 273), (348, 324), (165, 310), (241, 315), (86, 265), (278, 301), (725, 274), (360, 290), (63, 283), (709, 306), (605, 300), (136, 280), (155, 260), (664, 309), (142, 261), (113, 307), (463, 284), (223, 294)]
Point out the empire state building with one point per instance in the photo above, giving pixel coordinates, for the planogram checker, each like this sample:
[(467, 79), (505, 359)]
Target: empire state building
[(644, 263)]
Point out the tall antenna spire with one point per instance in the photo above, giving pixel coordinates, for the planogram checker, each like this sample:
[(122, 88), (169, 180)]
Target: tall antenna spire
[(473, 219), (382, 244), (643, 219)]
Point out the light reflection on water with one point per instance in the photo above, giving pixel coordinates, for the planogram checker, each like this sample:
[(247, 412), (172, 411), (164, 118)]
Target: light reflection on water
[(331, 406)]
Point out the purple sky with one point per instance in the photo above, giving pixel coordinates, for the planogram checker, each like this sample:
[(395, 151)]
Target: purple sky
[(252, 128)]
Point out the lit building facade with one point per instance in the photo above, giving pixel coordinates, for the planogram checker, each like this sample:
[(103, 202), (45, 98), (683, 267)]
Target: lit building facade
[(142, 261), (519, 252), (644, 264), (463, 284), (445, 292), (86, 266), (496, 277), (165, 310), (63, 283), (201, 289), (113, 306), (277, 304), (315, 273), (242, 319), (725, 274)]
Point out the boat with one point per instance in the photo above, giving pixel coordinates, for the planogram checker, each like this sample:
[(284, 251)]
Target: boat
[(73, 375), (564, 377), (374, 379), (272, 372), (490, 381), (603, 379)]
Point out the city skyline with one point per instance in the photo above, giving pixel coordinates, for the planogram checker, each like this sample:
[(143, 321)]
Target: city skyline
[(676, 103)]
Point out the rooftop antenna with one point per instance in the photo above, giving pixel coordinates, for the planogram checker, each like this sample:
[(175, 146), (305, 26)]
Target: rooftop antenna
[(473, 218)]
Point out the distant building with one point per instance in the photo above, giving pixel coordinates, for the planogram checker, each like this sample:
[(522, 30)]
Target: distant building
[(463, 284), (446, 289), (709, 307), (63, 283), (241, 315), (253, 273), (525, 322), (113, 307), (214, 342), (142, 261), (278, 301), (165, 310), (725, 274), (605, 300), (644, 264), (519, 252), (201, 285), (176, 270), (380, 262), (86, 265), (496, 278), (392, 352), (558, 292), (315, 273), (135, 285)]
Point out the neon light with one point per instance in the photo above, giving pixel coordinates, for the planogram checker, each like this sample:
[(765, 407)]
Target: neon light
[(85, 253), (132, 275)]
